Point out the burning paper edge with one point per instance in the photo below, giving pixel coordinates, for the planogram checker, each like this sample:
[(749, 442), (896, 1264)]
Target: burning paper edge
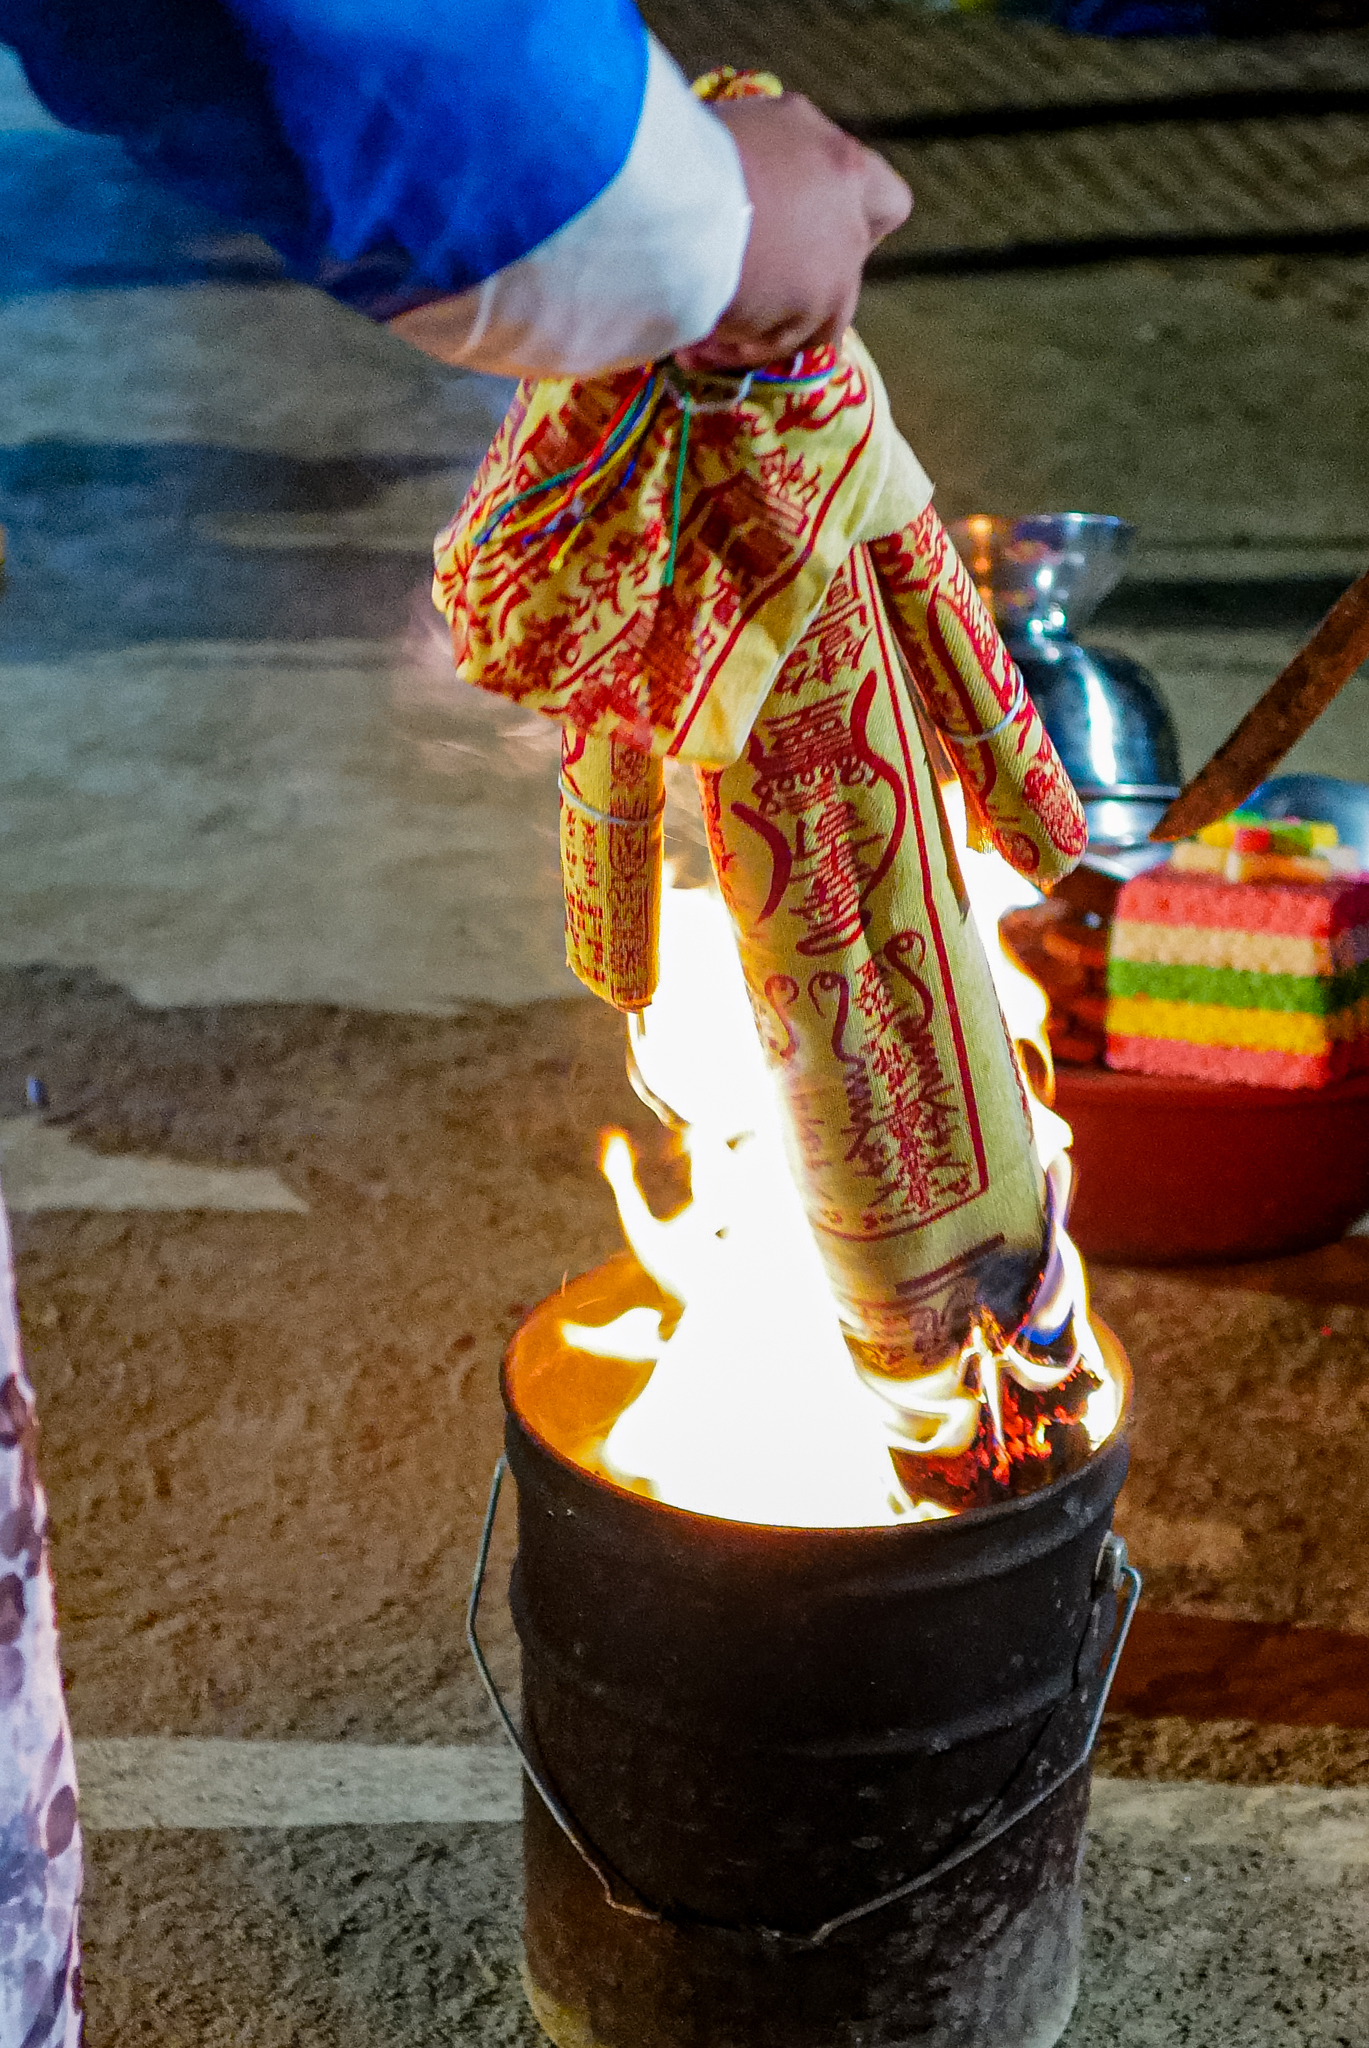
[(754, 1412), (994, 889)]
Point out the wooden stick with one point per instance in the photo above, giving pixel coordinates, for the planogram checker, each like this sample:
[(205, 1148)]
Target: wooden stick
[(1284, 713)]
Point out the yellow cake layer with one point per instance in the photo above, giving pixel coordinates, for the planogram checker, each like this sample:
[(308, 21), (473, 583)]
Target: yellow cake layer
[(1254, 1030), (1193, 945), (1191, 858)]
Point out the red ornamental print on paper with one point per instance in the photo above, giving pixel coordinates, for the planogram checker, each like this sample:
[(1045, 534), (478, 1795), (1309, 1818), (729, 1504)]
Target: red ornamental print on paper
[(576, 619), (816, 778), (809, 833), (612, 802), (1054, 803), (1015, 785), (907, 1124)]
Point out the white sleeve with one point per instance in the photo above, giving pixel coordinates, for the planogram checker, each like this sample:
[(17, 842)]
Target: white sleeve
[(647, 267)]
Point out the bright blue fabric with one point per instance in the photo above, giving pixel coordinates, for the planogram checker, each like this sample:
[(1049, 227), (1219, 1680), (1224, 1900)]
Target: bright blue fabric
[(173, 81), (392, 150), (465, 131)]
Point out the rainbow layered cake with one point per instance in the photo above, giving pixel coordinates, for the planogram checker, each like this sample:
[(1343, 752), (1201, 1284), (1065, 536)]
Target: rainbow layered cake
[(1244, 958)]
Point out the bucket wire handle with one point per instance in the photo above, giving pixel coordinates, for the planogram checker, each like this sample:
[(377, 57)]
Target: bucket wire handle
[(613, 1886), (1114, 1574)]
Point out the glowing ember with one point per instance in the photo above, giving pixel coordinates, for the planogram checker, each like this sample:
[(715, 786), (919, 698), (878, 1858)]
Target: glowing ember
[(753, 1411)]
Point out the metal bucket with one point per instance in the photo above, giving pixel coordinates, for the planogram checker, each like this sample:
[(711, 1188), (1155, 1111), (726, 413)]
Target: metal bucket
[(804, 1788)]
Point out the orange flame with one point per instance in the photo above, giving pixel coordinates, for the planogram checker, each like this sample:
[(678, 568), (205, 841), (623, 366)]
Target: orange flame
[(753, 1411)]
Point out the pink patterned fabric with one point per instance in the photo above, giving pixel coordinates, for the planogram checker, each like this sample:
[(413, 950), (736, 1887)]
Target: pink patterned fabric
[(40, 1836)]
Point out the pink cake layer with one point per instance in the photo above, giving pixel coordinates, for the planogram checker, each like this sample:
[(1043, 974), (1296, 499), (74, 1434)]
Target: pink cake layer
[(1229, 1063), (1307, 909)]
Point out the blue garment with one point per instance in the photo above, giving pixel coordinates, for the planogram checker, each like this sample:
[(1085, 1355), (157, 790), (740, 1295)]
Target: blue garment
[(394, 151), (1136, 17)]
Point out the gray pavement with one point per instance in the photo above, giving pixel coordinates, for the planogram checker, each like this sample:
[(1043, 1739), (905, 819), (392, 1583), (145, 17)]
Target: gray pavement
[(280, 933), (1215, 1918), (1224, 1919)]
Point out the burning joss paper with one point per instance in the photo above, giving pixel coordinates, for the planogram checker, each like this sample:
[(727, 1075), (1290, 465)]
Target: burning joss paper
[(747, 575)]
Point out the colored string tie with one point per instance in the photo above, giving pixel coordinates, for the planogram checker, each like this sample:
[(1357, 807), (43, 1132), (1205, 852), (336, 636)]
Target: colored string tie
[(571, 486), (573, 495), (689, 403)]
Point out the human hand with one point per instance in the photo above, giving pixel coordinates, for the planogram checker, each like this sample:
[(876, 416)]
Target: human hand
[(821, 201)]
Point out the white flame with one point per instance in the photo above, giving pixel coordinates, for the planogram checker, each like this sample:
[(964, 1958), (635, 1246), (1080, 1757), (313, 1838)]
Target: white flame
[(754, 1412)]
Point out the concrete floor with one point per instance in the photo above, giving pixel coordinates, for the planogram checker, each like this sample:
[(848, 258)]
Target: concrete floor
[(1217, 1919), (282, 916)]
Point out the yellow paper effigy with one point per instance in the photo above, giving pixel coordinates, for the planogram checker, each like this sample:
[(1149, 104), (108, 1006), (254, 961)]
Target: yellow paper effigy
[(909, 1130), (748, 575)]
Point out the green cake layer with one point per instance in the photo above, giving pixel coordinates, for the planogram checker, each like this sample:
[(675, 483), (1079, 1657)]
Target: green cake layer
[(1237, 988)]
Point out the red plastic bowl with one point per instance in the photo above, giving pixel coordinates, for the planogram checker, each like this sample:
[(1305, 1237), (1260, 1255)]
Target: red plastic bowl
[(1171, 1172)]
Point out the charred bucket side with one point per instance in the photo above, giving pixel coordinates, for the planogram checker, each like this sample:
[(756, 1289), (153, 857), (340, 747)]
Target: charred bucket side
[(806, 1788)]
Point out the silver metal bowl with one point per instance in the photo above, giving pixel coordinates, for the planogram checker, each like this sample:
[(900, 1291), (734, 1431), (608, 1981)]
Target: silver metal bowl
[(1041, 576), (1046, 573)]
